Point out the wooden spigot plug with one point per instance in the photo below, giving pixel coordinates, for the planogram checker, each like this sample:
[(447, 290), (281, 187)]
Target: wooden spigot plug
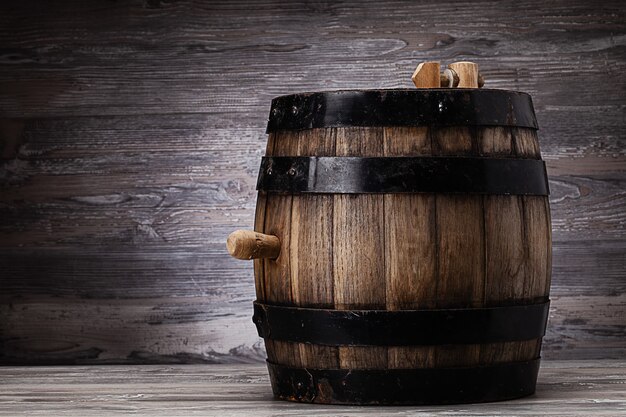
[(458, 74), (247, 244)]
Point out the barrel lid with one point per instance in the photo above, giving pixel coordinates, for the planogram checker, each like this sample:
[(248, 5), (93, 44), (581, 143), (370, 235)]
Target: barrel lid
[(402, 107)]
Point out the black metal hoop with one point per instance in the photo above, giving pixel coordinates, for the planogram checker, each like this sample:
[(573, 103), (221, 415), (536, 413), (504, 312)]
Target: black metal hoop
[(402, 107), (497, 382), (401, 327), (348, 175)]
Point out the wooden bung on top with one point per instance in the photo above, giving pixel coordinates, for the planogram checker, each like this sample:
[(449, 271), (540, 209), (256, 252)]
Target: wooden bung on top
[(458, 75)]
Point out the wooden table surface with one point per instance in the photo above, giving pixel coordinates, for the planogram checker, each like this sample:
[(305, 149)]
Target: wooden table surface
[(565, 388)]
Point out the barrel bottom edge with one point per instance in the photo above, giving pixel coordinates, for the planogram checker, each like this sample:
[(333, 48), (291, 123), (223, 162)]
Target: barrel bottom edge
[(423, 386)]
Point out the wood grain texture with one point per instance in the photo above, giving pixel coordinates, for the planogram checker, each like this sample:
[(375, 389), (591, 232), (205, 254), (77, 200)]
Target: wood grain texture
[(426, 75), (312, 248), (507, 246), (277, 281), (125, 163), (410, 256), (460, 246), (220, 38), (358, 248), (564, 388), (467, 73)]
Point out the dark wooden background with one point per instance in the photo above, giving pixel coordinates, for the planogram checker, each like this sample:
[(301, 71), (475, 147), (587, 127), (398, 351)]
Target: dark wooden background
[(131, 134)]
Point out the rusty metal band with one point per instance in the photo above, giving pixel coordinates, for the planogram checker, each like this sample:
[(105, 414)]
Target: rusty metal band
[(401, 327), (497, 382), (357, 175), (402, 107)]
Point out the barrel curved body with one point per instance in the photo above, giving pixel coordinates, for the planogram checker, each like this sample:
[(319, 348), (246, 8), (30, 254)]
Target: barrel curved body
[(395, 251)]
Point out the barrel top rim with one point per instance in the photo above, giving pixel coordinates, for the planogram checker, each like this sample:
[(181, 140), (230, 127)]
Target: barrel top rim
[(402, 107), (414, 91)]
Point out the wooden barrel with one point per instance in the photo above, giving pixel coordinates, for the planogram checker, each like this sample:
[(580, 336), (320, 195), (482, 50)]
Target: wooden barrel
[(415, 246)]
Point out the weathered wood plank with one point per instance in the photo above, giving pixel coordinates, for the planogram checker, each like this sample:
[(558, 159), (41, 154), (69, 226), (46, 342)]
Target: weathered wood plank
[(537, 235), (278, 287), (312, 249), (57, 330), (505, 263), (460, 246), (185, 210), (565, 388), (358, 248), (410, 256), (101, 272), (64, 68)]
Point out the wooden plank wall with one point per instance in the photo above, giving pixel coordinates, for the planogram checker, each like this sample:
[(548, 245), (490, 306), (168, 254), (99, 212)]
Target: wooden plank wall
[(131, 134)]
